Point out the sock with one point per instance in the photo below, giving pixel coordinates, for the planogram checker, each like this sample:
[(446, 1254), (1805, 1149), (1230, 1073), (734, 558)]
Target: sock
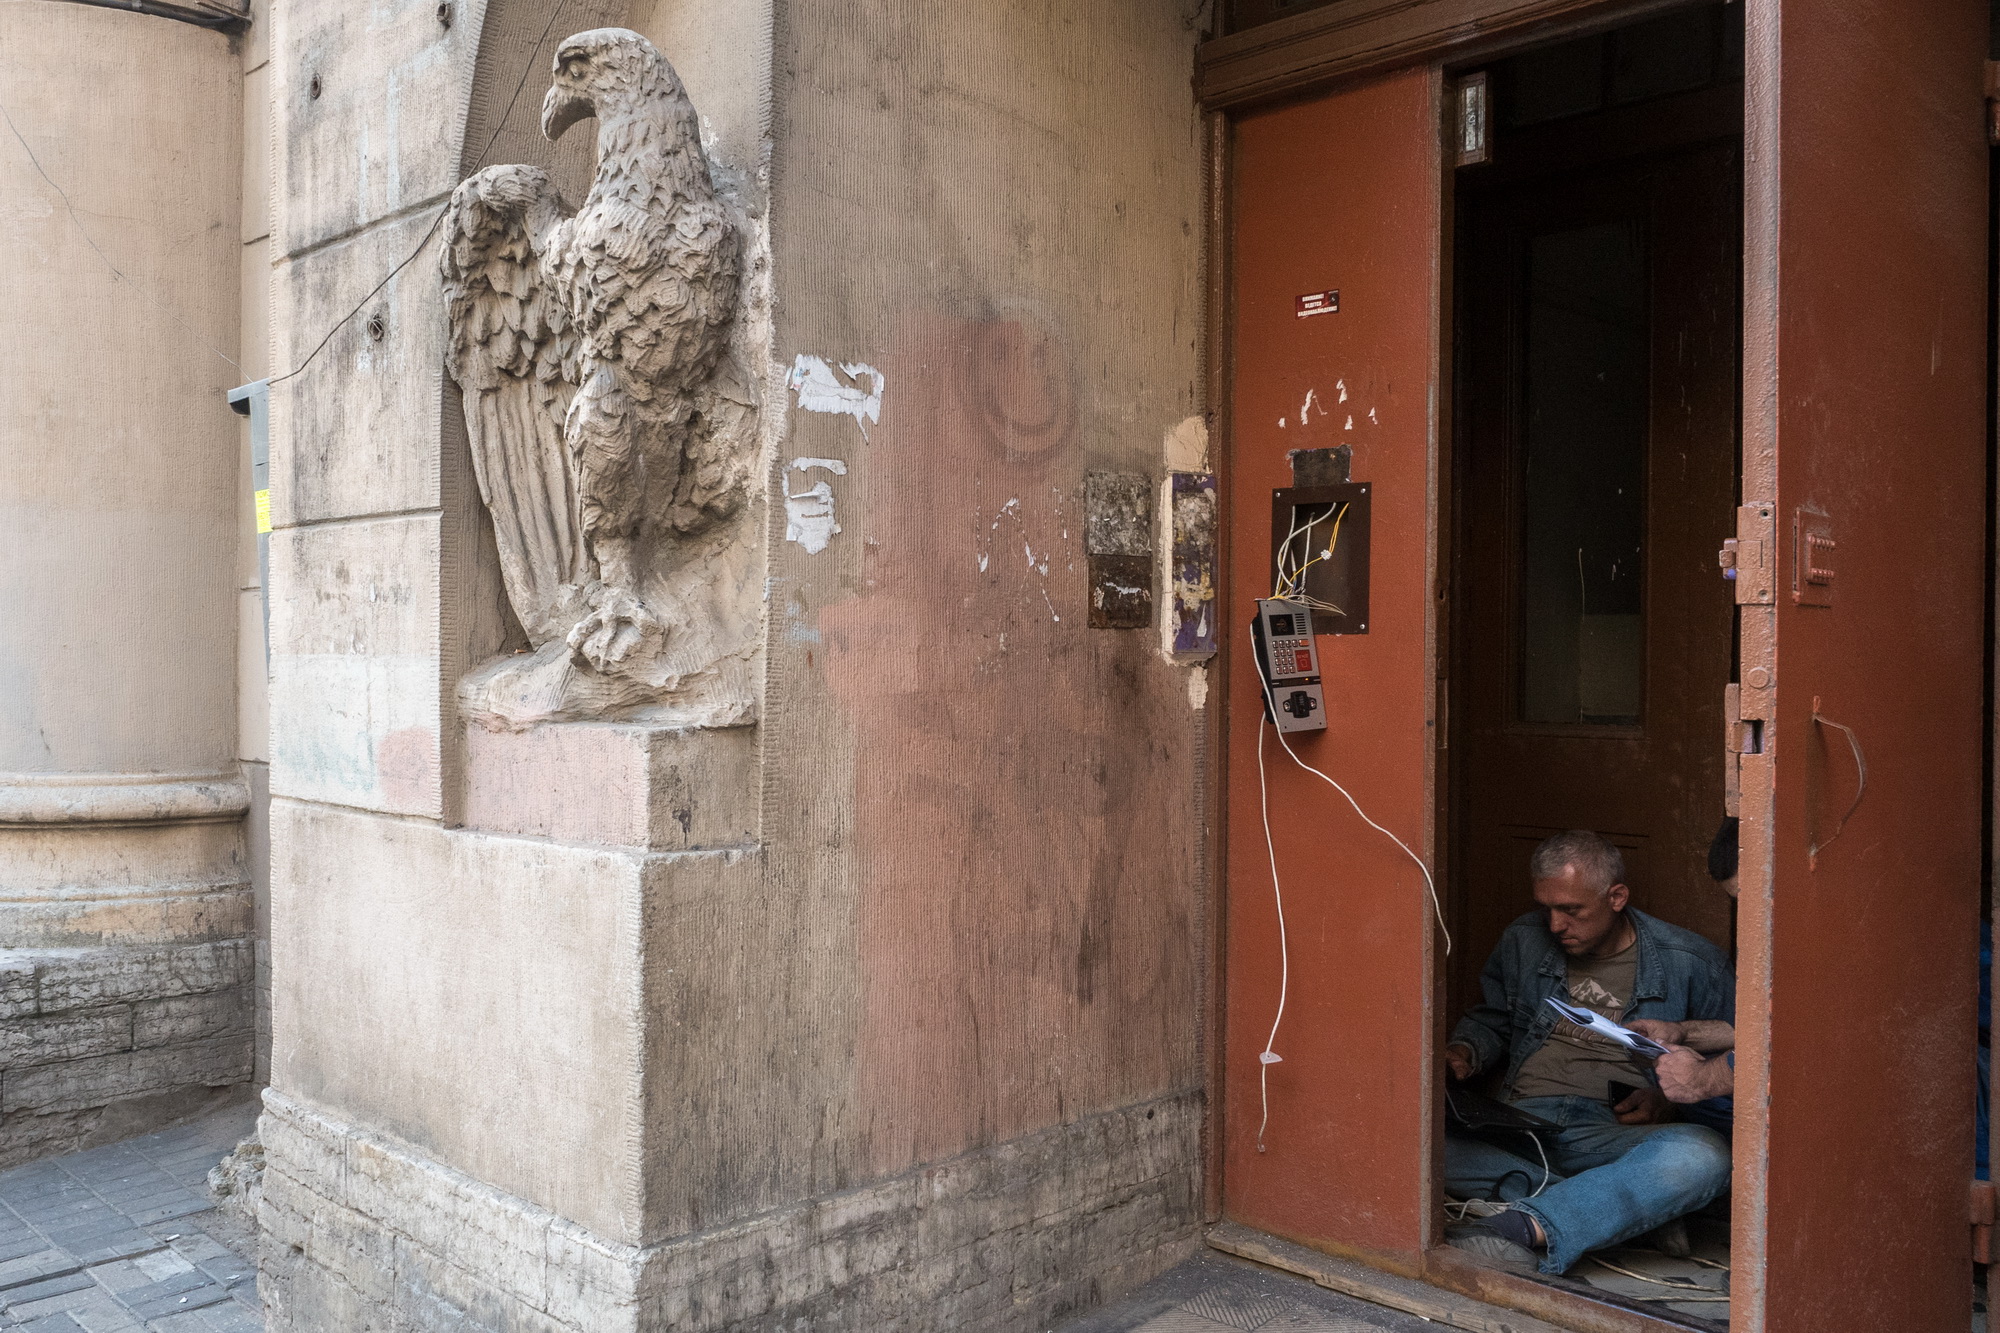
[(1515, 1226)]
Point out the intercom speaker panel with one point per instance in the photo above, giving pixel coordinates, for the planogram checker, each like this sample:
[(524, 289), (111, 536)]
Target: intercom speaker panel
[(1289, 661)]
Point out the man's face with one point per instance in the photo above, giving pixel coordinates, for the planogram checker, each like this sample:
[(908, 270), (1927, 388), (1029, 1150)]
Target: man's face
[(1580, 917)]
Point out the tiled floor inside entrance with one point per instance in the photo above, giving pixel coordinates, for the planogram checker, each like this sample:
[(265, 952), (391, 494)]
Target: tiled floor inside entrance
[(125, 1237)]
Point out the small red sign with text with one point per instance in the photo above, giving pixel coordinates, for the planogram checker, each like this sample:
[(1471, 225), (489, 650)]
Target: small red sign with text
[(1319, 303)]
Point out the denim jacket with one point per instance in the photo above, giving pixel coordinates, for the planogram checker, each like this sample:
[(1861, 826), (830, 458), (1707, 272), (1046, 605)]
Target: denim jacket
[(1680, 976)]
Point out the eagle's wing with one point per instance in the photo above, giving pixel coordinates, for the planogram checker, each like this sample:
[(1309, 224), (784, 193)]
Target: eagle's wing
[(512, 351)]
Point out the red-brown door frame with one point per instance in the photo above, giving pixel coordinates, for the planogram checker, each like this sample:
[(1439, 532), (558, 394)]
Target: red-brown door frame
[(1873, 430), (1770, 825)]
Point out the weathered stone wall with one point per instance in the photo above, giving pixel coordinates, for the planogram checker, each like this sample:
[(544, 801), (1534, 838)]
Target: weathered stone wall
[(99, 1044), (887, 1005), (364, 1232), (122, 847)]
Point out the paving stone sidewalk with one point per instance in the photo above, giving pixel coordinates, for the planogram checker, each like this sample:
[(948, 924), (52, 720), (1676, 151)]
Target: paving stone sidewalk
[(125, 1237)]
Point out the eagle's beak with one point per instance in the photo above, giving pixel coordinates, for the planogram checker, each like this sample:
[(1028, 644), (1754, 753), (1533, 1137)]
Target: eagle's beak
[(562, 109)]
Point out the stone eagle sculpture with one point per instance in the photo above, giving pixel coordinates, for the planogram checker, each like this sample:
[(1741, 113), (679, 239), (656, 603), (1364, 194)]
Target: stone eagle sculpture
[(586, 345)]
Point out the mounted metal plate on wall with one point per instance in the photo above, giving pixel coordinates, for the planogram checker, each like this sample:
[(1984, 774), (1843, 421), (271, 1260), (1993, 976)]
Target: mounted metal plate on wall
[(1319, 550), (1475, 122)]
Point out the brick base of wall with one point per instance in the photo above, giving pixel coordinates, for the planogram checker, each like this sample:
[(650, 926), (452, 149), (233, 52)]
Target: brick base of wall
[(104, 1043), (363, 1232)]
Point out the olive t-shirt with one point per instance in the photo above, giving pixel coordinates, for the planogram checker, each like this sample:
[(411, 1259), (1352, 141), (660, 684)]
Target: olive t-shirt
[(1574, 1061)]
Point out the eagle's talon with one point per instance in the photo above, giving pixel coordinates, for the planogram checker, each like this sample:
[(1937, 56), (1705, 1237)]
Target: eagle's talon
[(618, 629)]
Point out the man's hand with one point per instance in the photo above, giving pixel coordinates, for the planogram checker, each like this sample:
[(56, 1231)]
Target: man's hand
[(1647, 1106), (1660, 1030), (1686, 1078), (1458, 1059)]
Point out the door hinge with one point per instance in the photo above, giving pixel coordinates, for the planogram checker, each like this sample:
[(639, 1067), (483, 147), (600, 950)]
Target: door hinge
[(1740, 736), (1982, 1221), (1750, 557)]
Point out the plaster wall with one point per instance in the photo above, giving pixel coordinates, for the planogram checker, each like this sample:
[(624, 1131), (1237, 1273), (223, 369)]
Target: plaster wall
[(901, 946), (117, 504), (997, 207), (121, 804)]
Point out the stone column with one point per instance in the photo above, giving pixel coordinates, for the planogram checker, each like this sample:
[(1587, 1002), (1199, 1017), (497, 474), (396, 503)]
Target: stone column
[(124, 899)]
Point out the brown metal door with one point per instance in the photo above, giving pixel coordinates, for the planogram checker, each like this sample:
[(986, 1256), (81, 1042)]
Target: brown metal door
[(1862, 632), (1333, 1143), (1597, 478)]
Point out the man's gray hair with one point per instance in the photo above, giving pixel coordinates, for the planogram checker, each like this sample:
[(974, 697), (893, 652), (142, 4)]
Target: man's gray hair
[(1600, 864)]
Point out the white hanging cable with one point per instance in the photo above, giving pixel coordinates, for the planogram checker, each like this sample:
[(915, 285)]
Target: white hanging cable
[(1429, 883), (1457, 1210), (1269, 1055)]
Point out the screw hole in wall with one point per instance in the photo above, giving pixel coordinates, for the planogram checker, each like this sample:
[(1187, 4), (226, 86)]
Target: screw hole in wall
[(444, 14), (313, 88), (377, 327)]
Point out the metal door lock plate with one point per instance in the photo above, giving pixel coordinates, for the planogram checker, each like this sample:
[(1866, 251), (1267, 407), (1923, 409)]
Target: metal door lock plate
[(1812, 559)]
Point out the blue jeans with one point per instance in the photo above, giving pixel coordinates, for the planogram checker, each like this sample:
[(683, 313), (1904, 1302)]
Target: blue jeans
[(1607, 1182)]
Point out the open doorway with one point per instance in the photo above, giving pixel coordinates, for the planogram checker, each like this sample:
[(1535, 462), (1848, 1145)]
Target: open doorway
[(1597, 354)]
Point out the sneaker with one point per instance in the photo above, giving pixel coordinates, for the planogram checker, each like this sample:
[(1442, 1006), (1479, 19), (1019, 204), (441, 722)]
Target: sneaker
[(1482, 1239)]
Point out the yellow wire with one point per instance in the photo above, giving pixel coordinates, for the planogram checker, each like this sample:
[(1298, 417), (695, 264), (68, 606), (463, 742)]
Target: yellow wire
[(1287, 587)]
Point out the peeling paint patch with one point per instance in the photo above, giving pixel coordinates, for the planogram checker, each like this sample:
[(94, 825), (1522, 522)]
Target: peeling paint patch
[(1187, 447), (1198, 688), (820, 389), (833, 465)]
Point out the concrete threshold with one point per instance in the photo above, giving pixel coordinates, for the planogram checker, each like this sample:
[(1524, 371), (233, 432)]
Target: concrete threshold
[(1406, 1295)]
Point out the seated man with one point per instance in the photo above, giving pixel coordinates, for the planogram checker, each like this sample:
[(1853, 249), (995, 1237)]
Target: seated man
[(1614, 1169)]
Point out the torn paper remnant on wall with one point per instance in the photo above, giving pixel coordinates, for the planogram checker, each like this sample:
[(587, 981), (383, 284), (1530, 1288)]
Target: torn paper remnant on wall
[(809, 519), (820, 389)]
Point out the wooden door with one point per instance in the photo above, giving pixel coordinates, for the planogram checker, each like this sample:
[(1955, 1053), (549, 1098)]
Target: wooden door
[(1597, 473), (1864, 426)]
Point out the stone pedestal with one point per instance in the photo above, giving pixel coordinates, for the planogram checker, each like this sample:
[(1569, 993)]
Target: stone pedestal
[(614, 785), (489, 1122), (125, 906)]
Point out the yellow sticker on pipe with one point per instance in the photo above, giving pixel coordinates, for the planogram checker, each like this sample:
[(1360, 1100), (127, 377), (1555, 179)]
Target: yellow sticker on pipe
[(263, 512)]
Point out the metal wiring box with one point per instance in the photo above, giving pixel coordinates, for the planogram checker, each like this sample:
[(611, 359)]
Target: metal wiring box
[(1319, 550)]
